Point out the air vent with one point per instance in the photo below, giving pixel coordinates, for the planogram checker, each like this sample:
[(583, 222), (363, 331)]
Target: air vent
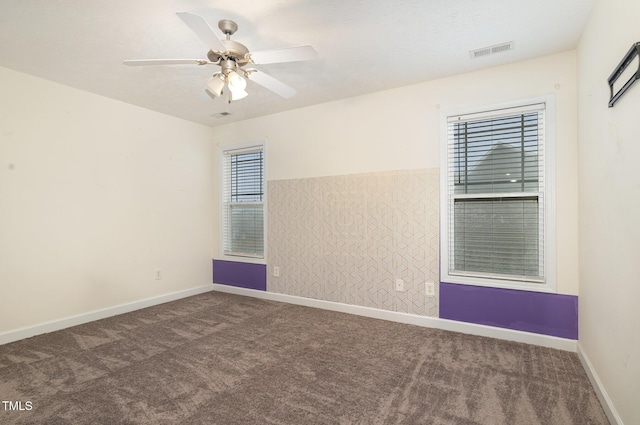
[(221, 114), (486, 51)]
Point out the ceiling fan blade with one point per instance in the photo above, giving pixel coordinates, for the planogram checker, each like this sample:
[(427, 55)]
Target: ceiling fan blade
[(140, 62), (290, 54), (202, 30), (268, 82)]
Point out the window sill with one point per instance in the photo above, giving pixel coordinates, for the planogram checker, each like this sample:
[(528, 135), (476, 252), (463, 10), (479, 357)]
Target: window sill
[(499, 283), (241, 259)]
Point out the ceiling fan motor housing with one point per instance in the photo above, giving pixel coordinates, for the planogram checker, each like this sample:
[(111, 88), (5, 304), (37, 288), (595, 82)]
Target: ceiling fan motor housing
[(234, 51)]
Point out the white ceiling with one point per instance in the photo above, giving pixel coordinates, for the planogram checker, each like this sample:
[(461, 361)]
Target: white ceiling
[(364, 45)]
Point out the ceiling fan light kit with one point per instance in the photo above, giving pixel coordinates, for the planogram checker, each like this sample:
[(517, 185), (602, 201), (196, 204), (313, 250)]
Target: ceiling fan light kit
[(231, 56), (216, 84)]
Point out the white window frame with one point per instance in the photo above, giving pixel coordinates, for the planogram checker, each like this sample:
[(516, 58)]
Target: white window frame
[(223, 202), (549, 283)]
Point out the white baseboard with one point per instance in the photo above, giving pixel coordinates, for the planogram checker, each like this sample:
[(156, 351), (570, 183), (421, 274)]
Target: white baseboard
[(412, 319), (56, 325), (605, 401)]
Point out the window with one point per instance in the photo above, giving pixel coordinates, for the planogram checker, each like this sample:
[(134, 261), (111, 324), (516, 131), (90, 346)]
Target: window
[(243, 202), (498, 227)]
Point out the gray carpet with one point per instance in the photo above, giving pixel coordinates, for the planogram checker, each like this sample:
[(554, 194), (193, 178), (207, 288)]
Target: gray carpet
[(224, 359)]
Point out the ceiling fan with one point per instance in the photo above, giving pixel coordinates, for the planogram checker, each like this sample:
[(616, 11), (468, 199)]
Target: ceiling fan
[(232, 57)]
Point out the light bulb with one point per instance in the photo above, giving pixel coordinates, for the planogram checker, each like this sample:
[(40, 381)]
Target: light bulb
[(236, 81), (237, 84)]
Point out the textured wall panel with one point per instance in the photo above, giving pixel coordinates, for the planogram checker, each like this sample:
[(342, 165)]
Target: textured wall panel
[(347, 238)]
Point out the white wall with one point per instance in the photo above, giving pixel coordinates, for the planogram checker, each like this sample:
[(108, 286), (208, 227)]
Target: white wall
[(400, 129), (609, 146), (95, 195)]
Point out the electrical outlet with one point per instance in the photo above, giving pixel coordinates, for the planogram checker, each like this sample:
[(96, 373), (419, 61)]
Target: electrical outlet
[(158, 274), (430, 289), (276, 271), (399, 285)]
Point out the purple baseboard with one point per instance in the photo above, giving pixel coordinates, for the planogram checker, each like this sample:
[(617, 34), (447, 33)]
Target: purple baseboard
[(242, 275), (536, 312)]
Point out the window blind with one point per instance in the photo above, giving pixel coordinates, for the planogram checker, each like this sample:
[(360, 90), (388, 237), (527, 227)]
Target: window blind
[(243, 202), (495, 174)]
